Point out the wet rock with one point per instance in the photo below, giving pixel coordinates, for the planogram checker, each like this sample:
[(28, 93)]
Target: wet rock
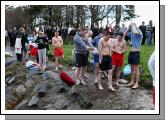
[(33, 102), (29, 83), (43, 87), (21, 104), (62, 90), (20, 90), (11, 80), (8, 94), (49, 106), (83, 102)]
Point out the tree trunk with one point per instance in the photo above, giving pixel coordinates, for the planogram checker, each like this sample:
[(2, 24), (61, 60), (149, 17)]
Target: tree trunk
[(118, 14)]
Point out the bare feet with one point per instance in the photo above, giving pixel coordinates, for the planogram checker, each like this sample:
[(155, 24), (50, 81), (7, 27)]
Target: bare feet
[(117, 83), (100, 87), (111, 88), (86, 76), (130, 84), (83, 82), (77, 82), (135, 86)]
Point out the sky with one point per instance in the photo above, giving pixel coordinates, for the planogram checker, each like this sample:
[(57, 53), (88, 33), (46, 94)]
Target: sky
[(146, 13)]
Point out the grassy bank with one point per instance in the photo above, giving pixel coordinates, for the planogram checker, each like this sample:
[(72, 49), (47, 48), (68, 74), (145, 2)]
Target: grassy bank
[(146, 52)]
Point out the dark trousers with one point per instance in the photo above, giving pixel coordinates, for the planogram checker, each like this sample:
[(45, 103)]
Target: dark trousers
[(19, 57), (144, 39)]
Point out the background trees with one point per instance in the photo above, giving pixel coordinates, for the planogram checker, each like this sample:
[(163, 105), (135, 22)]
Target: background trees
[(66, 15)]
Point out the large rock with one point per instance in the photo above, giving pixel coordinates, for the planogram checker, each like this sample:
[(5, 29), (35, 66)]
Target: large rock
[(33, 102), (11, 80), (42, 89), (29, 83), (21, 104), (20, 90), (8, 94)]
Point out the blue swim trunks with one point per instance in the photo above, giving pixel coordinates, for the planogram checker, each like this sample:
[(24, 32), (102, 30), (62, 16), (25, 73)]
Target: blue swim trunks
[(96, 58)]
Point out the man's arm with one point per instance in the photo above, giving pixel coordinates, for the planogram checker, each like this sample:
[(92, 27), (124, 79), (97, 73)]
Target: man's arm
[(100, 48), (61, 41), (125, 47)]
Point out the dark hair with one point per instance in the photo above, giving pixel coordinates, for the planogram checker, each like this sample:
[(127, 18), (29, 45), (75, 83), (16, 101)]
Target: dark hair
[(119, 34), (72, 32), (83, 29)]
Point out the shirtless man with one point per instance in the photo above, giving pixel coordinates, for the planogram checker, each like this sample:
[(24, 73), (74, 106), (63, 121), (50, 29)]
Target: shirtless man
[(118, 47), (105, 60), (57, 42)]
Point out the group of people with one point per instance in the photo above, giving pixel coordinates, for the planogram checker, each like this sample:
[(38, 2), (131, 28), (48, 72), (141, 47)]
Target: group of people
[(36, 44), (108, 52), (105, 45)]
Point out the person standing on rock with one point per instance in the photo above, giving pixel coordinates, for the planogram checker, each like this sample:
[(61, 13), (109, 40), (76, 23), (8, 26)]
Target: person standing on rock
[(118, 47), (136, 36), (41, 41), (104, 49), (57, 42), (81, 58)]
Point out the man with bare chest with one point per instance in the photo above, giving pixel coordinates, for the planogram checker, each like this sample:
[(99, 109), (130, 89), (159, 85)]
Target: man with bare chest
[(105, 60), (118, 47)]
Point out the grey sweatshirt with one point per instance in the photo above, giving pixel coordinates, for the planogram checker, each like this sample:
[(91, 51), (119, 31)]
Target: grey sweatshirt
[(80, 46)]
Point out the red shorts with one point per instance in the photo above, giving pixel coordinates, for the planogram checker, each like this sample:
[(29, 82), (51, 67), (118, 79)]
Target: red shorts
[(58, 52), (34, 52), (117, 59)]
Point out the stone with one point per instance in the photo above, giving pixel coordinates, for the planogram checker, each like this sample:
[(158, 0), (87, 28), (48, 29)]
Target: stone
[(29, 83), (20, 90), (33, 102), (11, 80), (8, 94), (21, 104), (42, 89), (49, 106)]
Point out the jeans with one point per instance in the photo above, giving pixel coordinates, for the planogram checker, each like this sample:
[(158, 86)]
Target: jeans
[(42, 57), (148, 37)]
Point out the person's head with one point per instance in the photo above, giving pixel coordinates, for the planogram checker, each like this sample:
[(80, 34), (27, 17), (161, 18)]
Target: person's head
[(83, 31), (72, 32), (49, 27), (22, 30), (143, 23), (33, 32), (150, 22), (41, 34), (101, 33), (106, 35), (119, 36), (56, 33), (89, 34), (14, 28)]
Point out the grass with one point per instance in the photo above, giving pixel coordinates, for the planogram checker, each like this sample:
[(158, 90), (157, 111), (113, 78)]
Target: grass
[(145, 53)]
